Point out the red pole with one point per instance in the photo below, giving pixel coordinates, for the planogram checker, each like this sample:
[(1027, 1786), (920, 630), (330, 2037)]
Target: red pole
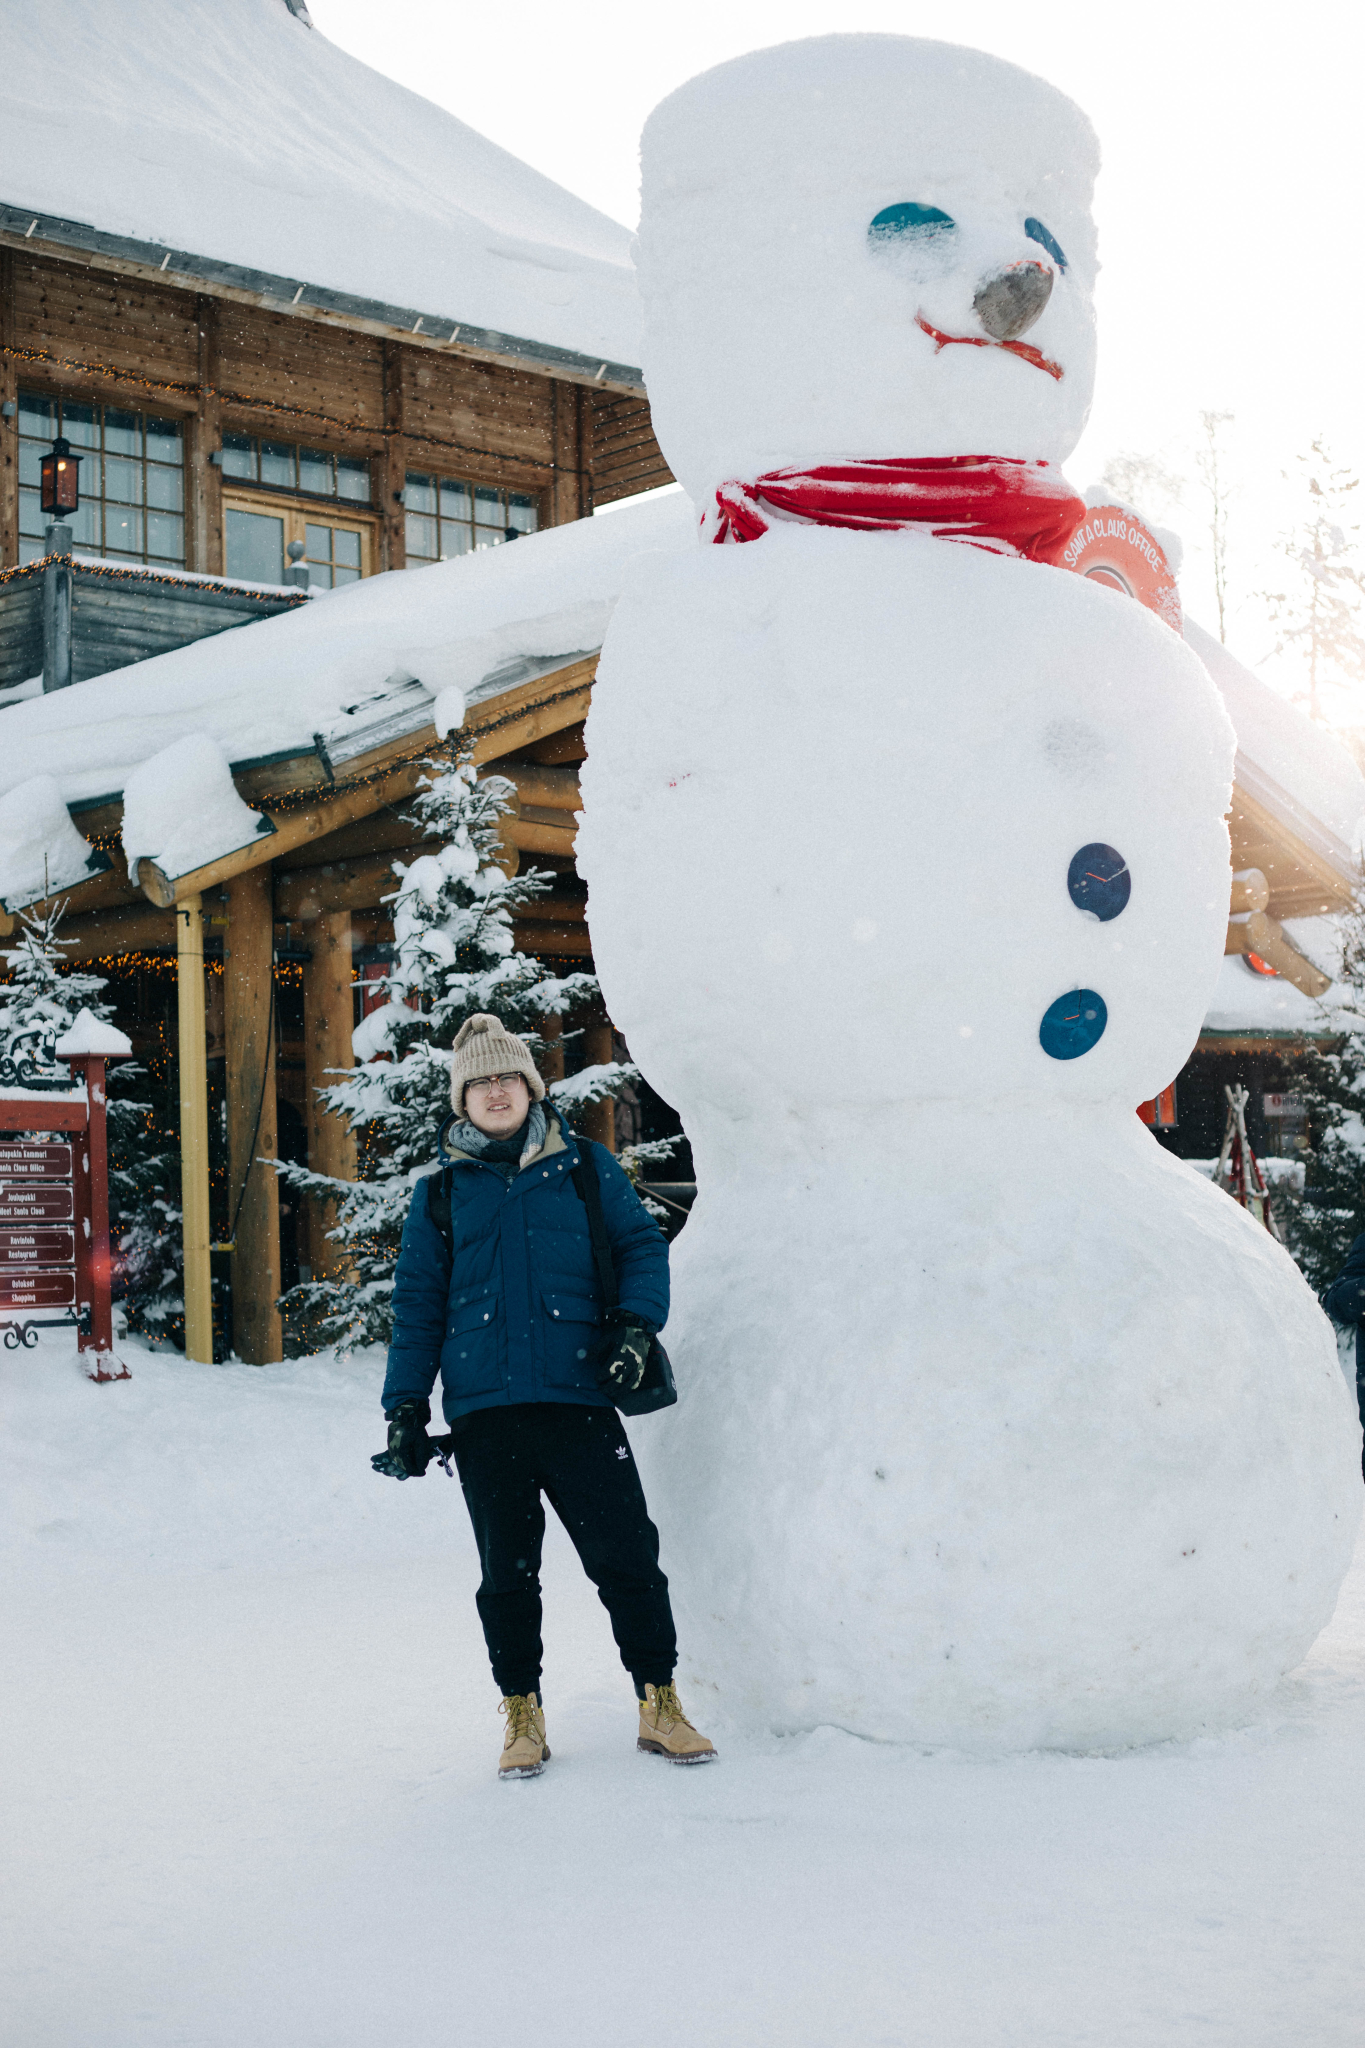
[(92, 1224)]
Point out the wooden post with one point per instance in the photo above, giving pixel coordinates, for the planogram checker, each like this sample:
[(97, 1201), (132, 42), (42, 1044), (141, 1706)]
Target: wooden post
[(552, 1059), (599, 1121), (253, 1134), (327, 1024), (391, 470), (9, 429), (204, 481), (194, 1129), (571, 492)]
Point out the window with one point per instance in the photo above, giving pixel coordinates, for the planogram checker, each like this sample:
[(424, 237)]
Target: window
[(132, 480), (257, 533), (446, 517), (285, 466)]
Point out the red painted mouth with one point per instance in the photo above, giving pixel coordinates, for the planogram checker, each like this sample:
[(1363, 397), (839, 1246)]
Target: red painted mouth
[(1023, 349)]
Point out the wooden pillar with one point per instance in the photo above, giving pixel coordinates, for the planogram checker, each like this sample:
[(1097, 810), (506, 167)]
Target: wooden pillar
[(571, 489), (599, 1121), (204, 481), (194, 1129), (328, 1003), (552, 1059), (393, 465), (9, 428), (253, 1136)]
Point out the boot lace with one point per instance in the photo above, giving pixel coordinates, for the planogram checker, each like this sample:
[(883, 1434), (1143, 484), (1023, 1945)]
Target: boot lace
[(519, 1712), (668, 1706)]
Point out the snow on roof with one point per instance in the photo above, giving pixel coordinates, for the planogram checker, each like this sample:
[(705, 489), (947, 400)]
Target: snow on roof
[(238, 133), (1298, 770), (472, 624)]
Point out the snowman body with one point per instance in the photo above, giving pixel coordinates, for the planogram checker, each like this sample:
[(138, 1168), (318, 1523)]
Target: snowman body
[(908, 873)]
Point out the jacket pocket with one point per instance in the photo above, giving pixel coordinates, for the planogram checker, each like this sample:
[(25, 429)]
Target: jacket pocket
[(572, 1325), (470, 1356)]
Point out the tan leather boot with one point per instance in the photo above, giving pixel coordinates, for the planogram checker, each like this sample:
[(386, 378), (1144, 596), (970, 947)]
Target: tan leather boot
[(525, 1752), (666, 1731)]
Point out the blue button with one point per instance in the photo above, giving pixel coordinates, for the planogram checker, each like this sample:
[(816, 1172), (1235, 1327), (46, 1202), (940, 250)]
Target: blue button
[(1073, 1024), (1098, 881)]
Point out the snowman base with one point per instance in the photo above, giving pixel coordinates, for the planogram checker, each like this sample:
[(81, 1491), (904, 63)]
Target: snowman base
[(965, 1506)]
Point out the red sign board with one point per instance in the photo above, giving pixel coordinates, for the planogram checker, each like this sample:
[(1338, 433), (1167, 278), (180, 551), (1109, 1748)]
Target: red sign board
[(1111, 547), (38, 1288), (35, 1162), (43, 1202), (37, 1247)]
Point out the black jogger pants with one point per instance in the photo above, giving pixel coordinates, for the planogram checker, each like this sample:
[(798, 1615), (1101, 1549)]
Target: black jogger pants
[(580, 1459)]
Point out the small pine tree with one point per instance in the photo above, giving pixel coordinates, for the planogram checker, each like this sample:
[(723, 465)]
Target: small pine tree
[(1320, 1224), (42, 995), (1318, 614), (455, 955)]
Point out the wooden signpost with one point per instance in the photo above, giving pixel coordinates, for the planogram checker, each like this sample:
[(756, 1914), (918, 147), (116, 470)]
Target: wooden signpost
[(54, 1208)]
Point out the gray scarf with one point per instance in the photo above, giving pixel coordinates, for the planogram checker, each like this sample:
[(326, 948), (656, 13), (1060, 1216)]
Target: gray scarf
[(515, 1150)]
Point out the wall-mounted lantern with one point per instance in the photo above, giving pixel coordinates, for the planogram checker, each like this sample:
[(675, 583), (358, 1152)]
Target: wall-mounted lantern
[(61, 490)]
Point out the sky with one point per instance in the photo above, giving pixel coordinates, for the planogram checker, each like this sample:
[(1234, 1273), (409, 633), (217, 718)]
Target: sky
[(1229, 205)]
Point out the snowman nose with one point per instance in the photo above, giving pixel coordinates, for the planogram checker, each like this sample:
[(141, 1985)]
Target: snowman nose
[(1008, 303)]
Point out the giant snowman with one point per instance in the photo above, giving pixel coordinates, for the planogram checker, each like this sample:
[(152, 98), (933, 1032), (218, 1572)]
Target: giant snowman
[(999, 1426)]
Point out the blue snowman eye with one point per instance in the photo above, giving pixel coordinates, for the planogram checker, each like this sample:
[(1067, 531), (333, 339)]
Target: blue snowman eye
[(908, 219), (1036, 232), (1073, 1024), (1098, 881)]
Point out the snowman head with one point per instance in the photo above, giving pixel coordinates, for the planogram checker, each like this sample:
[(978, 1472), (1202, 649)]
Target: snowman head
[(865, 246)]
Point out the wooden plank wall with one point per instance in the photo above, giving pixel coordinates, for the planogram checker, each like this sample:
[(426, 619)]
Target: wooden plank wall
[(223, 367)]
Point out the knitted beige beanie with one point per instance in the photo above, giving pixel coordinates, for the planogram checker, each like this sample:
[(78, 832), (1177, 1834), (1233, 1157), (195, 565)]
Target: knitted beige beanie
[(485, 1046)]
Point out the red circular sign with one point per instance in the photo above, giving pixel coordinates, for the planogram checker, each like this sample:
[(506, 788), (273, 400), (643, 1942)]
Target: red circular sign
[(1111, 547)]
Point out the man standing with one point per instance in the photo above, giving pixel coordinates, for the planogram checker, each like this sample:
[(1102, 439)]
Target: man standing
[(497, 1290)]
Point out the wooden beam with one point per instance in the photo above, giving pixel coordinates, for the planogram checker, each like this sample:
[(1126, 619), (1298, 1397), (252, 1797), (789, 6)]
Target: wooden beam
[(552, 939), (543, 832), (194, 1128), (327, 1021), (599, 1120), (554, 789), (204, 437), (343, 885), (292, 829), (1250, 891), (105, 891), (1259, 934), (1302, 882), (137, 927), (390, 470), (552, 1059), (253, 1137)]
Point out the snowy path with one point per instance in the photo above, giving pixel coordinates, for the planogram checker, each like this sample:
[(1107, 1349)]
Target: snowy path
[(248, 1795)]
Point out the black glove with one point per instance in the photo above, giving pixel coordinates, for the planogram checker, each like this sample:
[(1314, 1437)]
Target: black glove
[(409, 1451), (623, 1364)]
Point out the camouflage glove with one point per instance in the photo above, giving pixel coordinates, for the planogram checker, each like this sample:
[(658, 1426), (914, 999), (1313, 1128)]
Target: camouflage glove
[(623, 1366), (409, 1452)]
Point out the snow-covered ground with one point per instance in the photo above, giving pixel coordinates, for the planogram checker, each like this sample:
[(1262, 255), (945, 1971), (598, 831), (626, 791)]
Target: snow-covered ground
[(249, 1795)]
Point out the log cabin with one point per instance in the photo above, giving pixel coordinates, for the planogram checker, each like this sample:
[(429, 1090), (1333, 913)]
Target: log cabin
[(298, 502)]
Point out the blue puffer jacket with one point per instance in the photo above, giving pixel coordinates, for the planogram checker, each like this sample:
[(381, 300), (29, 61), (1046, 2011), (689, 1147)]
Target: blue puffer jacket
[(513, 1316)]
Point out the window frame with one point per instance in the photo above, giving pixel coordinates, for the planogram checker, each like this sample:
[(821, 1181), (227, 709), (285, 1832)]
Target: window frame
[(435, 478), (298, 512), (101, 407)]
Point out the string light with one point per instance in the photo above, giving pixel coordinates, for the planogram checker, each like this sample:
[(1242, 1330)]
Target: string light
[(135, 572), (250, 402)]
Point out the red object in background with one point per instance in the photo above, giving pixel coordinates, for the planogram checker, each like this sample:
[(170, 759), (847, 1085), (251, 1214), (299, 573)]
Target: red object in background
[(1111, 547), (1260, 966), (1160, 1112), (75, 1188)]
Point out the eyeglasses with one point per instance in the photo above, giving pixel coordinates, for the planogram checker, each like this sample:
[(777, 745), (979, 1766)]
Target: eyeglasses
[(494, 1081)]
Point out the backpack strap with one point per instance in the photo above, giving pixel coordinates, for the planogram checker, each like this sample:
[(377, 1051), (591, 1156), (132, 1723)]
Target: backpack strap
[(584, 1178), (438, 1208)]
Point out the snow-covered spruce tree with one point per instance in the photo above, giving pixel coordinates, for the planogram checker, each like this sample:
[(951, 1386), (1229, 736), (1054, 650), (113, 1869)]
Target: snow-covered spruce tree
[(39, 1001), (454, 955), (1319, 1225), (1320, 613)]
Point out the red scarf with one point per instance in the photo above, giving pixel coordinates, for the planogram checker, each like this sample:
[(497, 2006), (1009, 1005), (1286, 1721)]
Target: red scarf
[(1007, 504)]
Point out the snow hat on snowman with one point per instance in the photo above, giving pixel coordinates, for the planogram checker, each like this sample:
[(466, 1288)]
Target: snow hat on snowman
[(484, 1046)]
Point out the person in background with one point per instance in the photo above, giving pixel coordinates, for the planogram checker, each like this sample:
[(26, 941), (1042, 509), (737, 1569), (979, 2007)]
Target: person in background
[(496, 1289), (1344, 1302)]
